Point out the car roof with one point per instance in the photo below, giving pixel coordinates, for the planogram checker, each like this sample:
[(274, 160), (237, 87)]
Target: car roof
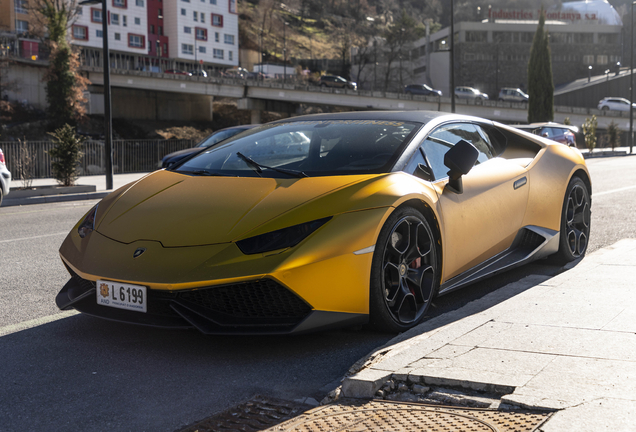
[(407, 116)]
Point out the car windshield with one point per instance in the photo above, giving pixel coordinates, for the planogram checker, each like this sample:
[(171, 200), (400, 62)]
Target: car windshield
[(312, 148)]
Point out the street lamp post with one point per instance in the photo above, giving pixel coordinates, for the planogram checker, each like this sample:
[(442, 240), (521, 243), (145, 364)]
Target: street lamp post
[(285, 53), (108, 146), (452, 56), (589, 73), (631, 84)]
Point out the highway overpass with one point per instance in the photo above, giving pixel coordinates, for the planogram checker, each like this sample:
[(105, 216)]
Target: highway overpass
[(192, 97)]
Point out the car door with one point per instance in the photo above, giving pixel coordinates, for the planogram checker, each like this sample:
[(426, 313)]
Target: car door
[(483, 220)]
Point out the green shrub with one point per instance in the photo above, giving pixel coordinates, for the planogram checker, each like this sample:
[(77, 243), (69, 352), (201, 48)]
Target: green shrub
[(589, 131), (613, 135), (66, 154)]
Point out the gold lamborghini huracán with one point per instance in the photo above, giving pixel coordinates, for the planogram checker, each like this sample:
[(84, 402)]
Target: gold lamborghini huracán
[(327, 220)]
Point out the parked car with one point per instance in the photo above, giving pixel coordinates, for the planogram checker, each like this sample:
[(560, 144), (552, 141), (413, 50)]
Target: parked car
[(177, 72), (614, 104), (5, 178), (337, 82), (512, 95), (565, 134), (222, 134), (237, 72), (198, 72), (421, 89), (463, 92), (327, 220)]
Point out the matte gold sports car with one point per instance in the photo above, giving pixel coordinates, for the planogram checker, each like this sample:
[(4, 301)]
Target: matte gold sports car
[(327, 220)]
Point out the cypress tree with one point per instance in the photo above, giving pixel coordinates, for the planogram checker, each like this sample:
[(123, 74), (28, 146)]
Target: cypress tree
[(540, 84)]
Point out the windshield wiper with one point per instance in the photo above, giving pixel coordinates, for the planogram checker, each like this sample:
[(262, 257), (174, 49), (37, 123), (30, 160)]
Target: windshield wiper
[(204, 173), (258, 167)]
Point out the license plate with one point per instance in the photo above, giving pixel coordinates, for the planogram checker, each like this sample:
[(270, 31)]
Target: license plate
[(122, 296)]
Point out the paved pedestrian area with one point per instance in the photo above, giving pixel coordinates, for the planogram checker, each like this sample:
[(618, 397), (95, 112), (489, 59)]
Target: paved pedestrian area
[(566, 343)]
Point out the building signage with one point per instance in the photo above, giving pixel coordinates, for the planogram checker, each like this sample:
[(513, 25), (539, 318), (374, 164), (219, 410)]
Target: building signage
[(527, 14)]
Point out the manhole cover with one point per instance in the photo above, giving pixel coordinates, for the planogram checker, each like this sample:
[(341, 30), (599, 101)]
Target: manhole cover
[(257, 414), (360, 416)]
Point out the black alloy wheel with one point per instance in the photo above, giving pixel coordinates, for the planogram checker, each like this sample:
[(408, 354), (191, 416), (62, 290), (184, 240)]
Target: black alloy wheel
[(405, 271), (575, 221)]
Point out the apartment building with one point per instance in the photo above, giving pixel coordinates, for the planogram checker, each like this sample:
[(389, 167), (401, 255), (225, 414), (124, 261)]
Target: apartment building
[(202, 30)]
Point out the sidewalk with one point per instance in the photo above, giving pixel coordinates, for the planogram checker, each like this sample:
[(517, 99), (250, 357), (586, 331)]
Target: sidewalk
[(566, 343), (97, 189)]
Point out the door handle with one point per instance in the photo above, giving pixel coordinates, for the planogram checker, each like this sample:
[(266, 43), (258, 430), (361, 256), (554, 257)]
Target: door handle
[(521, 182)]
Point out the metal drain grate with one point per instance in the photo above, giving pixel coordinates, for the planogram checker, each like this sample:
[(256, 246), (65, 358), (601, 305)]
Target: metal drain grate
[(257, 414), (360, 416)]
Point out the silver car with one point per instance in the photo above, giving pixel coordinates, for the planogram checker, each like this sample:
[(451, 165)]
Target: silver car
[(614, 104), (463, 92), (5, 178)]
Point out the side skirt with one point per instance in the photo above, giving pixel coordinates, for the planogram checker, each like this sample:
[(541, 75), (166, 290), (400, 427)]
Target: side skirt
[(530, 244)]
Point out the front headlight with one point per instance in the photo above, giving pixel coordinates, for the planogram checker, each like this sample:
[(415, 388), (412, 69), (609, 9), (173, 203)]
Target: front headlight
[(280, 239), (88, 224)]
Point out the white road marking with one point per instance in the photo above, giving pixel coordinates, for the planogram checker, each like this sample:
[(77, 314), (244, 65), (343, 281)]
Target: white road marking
[(25, 325), (34, 237), (613, 191)]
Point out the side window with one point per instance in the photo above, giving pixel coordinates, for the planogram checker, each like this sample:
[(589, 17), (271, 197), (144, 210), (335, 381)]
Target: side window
[(444, 137), (418, 158)]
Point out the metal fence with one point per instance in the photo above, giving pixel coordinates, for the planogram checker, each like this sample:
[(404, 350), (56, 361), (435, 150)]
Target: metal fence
[(129, 156)]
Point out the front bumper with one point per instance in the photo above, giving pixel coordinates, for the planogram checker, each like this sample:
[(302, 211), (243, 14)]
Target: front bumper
[(261, 306)]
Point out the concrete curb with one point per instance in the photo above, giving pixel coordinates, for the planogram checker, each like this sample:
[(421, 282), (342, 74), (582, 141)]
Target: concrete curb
[(9, 201)]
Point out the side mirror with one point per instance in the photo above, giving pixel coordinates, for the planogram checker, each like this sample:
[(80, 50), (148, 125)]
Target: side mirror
[(459, 159), (424, 172)]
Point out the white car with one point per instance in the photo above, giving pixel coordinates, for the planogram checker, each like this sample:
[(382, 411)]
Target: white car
[(614, 104), (469, 93), (5, 178)]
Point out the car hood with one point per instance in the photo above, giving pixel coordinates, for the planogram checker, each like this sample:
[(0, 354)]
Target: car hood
[(181, 210)]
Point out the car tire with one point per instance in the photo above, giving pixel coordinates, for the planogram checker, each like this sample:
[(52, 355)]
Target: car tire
[(605, 108), (404, 273), (323, 85), (576, 214)]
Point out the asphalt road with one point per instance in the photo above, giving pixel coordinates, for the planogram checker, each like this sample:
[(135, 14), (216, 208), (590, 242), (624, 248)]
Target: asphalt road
[(64, 371)]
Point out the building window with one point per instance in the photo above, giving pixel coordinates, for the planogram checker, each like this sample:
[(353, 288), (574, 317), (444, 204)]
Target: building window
[(476, 36), (79, 10), (124, 20), (160, 30), (217, 54), (583, 38), (202, 49), (228, 39), (21, 6), (136, 41), (201, 34), (588, 60), (99, 33), (608, 38), (119, 3), (96, 15), (232, 6), (195, 16), (601, 59), (183, 12), (117, 36), (165, 49), (202, 15), (152, 29), (187, 1), (216, 36), (114, 19), (230, 55), (137, 21), (21, 26), (212, 2), (217, 20), (80, 32), (139, 3), (160, 13), (187, 49), (187, 30)]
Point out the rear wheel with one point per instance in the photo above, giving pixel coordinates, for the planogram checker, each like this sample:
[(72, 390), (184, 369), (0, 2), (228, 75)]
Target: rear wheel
[(405, 271), (605, 108), (575, 222)]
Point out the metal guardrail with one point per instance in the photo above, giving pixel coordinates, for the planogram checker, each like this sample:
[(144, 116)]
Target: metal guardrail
[(129, 156)]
